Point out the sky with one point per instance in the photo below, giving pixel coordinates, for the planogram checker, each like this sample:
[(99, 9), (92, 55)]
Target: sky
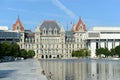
[(66, 12)]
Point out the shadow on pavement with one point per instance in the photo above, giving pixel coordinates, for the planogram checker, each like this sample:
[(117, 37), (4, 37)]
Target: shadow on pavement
[(6, 73)]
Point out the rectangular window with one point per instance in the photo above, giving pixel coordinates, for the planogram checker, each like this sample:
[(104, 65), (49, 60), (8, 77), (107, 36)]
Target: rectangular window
[(37, 45), (72, 45), (96, 45), (62, 45), (37, 40), (77, 45)]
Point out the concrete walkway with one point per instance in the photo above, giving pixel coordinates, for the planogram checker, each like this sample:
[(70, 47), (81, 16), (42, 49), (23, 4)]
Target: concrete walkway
[(29, 69)]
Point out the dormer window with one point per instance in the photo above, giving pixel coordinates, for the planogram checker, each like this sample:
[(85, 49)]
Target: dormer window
[(18, 28), (44, 31), (80, 27), (55, 31), (50, 31)]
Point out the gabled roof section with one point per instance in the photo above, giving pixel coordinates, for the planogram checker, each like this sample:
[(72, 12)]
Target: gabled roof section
[(18, 23), (79, 24)]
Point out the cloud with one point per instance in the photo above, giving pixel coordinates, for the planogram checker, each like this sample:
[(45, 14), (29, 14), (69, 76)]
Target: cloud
[(17, 10), (64, 8)]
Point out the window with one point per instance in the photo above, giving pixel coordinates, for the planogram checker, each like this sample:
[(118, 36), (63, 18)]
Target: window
[(18, 28), (55, 31), (21, 45), (44, 31), (77, 45), (77, 40), (29, 45), (37, 45), (21, 40), (37, 40), (96, 45), (42, 46), (62, 45), (80, 27), (72, 45), (112, 44)]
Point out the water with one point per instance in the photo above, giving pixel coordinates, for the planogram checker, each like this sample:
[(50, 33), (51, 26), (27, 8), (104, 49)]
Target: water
[(81, 69)]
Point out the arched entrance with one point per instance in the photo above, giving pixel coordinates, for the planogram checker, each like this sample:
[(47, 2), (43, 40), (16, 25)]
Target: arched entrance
[(50, 56), (57, 56), (42, 56)]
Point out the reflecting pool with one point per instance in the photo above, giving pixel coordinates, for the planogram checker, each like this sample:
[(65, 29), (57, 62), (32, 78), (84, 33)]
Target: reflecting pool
[(81, 69)]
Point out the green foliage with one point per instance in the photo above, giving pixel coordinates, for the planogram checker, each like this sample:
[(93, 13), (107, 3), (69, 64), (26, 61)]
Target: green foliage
[(112, 52), (81, 53), (6, 49), (23, 53), (99, 51), (103, 51), (9, 49), (15, 49), (31, 54), (106, 52), (117, 50), (1, 51)]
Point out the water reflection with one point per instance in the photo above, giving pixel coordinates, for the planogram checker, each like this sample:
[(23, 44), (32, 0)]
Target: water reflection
[(81, 69)]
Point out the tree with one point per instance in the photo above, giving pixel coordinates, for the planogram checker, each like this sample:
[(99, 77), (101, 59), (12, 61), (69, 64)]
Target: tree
[(15, 49), (6, 49), (81, 53), (112, 52), (23, 53), (73, 53), (117, 50), (103, 51), (106, 52), (86, 52), (30, 53), (99, 51), (1, 54)]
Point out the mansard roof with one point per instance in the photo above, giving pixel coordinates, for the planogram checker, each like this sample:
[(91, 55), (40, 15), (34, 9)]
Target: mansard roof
[(47, 24), (69, 34), (29, 34), (18, 22)]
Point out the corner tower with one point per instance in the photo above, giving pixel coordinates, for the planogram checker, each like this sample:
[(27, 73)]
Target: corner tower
[(18, 26)]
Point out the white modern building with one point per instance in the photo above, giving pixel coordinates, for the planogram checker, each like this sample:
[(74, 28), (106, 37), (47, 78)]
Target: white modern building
[(108, 37)]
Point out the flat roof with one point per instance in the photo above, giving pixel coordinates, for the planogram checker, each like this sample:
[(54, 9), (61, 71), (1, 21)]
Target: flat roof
[(106, 28)]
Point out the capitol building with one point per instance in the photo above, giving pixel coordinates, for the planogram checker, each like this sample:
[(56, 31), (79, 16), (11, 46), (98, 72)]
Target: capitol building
[(50, 40)]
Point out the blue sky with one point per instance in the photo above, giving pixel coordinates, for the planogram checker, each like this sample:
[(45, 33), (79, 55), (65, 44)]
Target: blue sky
[(34, 12)]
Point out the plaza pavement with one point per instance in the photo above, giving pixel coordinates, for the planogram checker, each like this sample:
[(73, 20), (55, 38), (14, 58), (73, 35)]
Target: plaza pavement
[(29, 69)]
